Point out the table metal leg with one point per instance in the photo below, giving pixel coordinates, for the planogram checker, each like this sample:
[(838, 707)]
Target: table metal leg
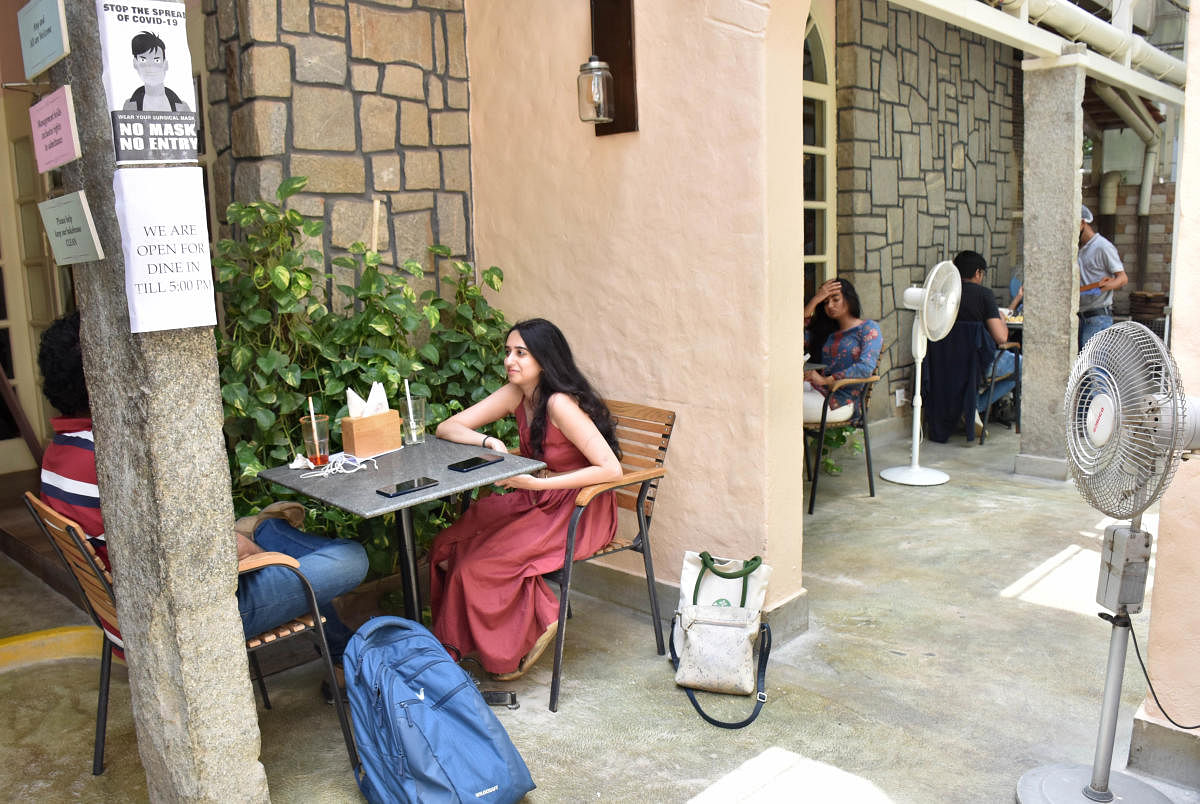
[(408, 564)]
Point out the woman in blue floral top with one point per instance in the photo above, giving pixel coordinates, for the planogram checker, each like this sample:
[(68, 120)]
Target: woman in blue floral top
[(849, 348)]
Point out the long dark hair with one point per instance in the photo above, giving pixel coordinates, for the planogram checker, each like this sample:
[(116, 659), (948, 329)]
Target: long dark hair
[(549, 348), (821, 326)]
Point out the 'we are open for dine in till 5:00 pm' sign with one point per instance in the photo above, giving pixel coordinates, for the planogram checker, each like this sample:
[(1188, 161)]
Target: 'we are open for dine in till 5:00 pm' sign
[(164, 233)]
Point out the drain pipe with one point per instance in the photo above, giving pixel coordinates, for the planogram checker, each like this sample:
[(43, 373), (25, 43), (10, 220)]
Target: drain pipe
[(1150, 136), (1108, 192), (1077, 24)]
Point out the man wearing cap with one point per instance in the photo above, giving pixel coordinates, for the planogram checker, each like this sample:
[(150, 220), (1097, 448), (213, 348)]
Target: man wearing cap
[(1099, 265)]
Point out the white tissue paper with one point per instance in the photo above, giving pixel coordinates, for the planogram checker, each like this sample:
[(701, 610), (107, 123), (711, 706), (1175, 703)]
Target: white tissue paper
[(301, 462), (376, 402)]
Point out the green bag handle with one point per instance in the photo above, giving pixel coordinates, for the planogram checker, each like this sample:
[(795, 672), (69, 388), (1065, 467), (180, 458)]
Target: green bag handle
[(709, 565)]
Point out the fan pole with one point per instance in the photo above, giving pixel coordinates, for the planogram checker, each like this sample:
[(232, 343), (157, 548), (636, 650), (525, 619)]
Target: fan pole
[(914, 474), (1102, 762), (1079, 783)]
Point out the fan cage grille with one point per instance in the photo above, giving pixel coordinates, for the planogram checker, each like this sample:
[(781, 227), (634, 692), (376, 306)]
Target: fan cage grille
[(1127, 472)]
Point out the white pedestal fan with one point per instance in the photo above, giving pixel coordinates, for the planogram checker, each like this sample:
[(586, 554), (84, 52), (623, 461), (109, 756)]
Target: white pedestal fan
[(936, 304), (1127, 425)]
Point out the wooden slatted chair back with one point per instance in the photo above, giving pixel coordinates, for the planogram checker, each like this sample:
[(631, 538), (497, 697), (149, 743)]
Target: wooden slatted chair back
[(81, 558), (643, 434)]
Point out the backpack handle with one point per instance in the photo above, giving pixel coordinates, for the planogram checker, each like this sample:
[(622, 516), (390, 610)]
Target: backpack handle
[(708, 564), (377, 624)]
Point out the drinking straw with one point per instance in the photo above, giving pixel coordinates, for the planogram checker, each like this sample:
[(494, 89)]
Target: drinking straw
[(375, 225), (408, 396), (312, 420)]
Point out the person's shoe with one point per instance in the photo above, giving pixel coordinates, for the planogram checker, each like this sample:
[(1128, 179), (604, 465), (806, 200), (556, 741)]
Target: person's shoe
[(534, 654), (978, 425), (289, 510)]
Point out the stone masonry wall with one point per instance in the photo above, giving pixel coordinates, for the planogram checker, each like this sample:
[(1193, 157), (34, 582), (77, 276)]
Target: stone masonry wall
[(369, 100), (926, 164)]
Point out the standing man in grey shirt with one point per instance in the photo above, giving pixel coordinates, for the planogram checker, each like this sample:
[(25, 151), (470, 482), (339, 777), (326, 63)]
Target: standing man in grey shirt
[(1100, 266)]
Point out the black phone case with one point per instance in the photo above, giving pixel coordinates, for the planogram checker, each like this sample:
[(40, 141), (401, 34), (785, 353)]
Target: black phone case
[(418, 487), (459, 467)]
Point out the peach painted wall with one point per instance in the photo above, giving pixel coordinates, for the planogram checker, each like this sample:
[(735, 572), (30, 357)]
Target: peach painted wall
[(1174, 649), (649, 249)]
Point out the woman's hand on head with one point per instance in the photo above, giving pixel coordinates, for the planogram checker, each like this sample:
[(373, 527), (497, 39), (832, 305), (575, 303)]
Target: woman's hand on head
[(828, 288)]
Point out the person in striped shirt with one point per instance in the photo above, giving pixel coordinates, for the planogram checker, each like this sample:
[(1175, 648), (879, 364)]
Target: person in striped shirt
[(69, 462), (266, 598)]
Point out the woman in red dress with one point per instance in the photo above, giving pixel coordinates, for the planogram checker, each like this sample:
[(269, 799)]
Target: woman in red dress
[(488, 596)]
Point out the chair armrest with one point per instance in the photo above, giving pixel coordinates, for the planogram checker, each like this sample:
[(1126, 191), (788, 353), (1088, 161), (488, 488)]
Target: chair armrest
[(1009, 346), (852, 381), (257, 561), (588, 493)]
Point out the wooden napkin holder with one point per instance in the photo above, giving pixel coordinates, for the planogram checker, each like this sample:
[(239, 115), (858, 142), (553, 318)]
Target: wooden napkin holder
[(368, 436)]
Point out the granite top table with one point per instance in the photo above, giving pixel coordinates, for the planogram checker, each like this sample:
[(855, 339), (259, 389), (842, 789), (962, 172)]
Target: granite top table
[(356, 493)]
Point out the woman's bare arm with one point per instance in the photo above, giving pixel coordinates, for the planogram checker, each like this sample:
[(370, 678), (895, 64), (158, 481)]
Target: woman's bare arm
[(565, 413), (463, 426)]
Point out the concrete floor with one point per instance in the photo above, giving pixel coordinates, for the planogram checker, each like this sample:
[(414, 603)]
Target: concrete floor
[(953, 645)]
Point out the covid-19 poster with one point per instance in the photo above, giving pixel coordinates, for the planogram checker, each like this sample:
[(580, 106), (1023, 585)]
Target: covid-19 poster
[(148, 81)]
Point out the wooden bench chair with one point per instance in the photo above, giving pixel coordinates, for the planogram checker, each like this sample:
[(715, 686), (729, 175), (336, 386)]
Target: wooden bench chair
[(94, 584), (643, 434)]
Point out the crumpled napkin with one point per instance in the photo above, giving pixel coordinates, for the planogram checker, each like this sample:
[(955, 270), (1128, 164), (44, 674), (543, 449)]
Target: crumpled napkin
[(376, 402), (301, 462)]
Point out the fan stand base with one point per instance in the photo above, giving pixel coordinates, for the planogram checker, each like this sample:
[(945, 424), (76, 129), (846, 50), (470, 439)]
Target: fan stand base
[(914, 476), (1055, 784)]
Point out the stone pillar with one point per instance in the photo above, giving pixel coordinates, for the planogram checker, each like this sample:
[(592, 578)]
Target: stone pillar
[(1172, 654), (1053, 157), (164, 480)]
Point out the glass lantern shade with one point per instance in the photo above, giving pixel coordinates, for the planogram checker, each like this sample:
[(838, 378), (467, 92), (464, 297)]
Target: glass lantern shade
[(595, 92)]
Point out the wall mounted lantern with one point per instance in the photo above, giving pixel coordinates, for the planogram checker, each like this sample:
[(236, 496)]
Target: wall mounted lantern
[(595, 91), (607, 82)]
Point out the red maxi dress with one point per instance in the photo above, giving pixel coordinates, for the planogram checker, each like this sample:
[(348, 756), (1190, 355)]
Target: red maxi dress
[(491, 598)]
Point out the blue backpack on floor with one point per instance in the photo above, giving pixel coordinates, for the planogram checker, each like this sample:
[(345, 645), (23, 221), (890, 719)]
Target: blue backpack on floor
[(423, 731)]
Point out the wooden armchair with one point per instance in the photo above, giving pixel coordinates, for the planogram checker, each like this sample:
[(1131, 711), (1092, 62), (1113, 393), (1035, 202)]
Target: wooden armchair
[(816, 432), (94, 584), (643, 434)]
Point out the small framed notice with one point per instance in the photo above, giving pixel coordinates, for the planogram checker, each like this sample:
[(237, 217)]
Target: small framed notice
[(164, 233), (43, 30), (55, 135), (69, 226)]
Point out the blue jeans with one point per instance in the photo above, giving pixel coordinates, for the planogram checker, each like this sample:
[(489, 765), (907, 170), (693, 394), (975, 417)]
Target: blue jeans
[(1005, 363), (1090, 326), (274, 595)]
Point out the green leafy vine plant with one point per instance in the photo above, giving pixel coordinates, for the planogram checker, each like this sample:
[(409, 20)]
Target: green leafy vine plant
[(281, 344), (835, 439)]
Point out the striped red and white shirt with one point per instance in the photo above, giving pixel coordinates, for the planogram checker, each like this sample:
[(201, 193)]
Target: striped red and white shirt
[(69, 477)]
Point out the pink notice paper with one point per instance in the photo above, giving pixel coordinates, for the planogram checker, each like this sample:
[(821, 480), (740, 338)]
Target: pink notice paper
[(55, 137)]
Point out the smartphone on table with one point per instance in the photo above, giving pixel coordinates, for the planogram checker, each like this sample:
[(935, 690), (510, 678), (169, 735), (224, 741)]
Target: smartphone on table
[(476, 462), (406, 486)]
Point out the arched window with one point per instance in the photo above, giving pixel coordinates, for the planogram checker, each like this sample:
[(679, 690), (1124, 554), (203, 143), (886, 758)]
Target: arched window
[(820, 168)]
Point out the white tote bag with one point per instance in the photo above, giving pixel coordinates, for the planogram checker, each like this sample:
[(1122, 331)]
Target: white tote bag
[(709, 581)]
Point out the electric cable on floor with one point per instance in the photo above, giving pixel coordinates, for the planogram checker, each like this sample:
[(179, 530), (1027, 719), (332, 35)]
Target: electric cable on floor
[(1151, 686)]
